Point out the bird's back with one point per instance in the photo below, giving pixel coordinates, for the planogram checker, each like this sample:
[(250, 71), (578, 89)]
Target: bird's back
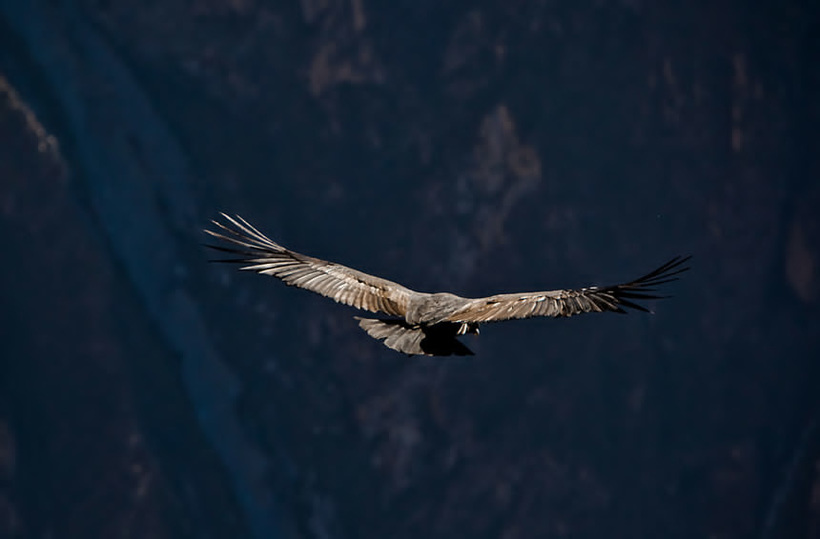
[(429, 309)]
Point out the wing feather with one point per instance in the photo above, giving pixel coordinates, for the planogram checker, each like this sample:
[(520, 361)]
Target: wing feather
[(345, 285), (556, 303)]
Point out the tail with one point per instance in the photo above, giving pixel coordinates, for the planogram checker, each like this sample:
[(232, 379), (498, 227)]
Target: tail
[(437, 340)]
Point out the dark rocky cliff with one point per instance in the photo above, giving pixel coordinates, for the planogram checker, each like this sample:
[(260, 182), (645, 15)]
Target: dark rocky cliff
[(474, 147)]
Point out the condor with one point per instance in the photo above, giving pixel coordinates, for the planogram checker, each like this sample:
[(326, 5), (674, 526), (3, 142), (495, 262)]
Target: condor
[(422, 323)]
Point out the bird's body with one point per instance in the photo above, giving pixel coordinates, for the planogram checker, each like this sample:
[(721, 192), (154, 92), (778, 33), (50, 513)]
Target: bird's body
[(423, 323)]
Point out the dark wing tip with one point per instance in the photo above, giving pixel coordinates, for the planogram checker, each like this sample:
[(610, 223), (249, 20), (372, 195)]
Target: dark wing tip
[(644, 288), (666, 272)]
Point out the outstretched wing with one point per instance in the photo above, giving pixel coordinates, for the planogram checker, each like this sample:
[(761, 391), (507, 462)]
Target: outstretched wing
[(334, 281), (594, 299)]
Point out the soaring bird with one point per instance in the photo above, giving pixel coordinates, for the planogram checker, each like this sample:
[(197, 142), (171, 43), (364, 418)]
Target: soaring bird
[(418, 322)]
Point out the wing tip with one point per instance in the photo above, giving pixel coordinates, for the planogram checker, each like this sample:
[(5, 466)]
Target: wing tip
[(644, 288)]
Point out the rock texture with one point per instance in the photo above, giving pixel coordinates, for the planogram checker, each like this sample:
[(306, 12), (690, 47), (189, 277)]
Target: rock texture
[(484, 147)]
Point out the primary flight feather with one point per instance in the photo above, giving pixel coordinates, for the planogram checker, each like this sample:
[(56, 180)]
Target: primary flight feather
[(423, 323)]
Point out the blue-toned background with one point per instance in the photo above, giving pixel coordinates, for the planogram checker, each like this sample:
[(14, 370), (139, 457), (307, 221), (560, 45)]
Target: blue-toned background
[(475, 147)]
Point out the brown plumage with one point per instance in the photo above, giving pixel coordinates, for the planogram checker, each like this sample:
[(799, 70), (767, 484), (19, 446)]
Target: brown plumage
[(425, 323)]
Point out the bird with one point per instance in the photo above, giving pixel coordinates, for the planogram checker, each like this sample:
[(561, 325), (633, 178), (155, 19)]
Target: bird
[(420, 323)]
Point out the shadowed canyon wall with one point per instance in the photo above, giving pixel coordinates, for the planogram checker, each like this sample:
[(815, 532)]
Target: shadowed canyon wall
[(476, 147)]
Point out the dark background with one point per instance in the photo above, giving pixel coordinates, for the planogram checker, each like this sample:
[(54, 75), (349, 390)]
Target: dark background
[(477, 147)]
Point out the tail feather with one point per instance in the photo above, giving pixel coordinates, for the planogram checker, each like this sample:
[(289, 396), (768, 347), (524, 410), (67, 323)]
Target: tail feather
[(415, 340)]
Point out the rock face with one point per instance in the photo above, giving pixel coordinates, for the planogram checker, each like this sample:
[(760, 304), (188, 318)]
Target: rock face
[(480, 149)]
